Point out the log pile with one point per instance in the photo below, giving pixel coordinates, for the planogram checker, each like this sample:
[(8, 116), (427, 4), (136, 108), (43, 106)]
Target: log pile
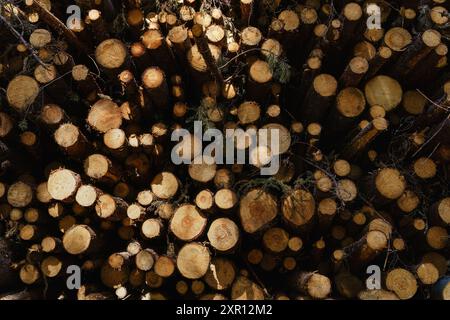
[(88, 109)]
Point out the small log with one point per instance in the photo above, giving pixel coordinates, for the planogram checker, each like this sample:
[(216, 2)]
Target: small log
[(165, 185), (87, 195), (318, 98), (187, 14), (225, 200), (63, 184), (383, 55), (387, 184), (154, 82), (145, 259), (436, 238), (79, 239), (187, 223), (354, 72), (366, 50), (102, 169), (315, 285), (145, 197), (206, 52), (223, 234), (152, 228), (373, 242), (111, 55), (21, 92), (397, 39), (326, 211), (260, 204), (352, 14), (115, 141), (193, 260), (402, 283), (97, 24), (248, 112), (29, 274), (164, 266), (20, 194), (109, 207), (135, 211), (51, 245), (203, 18), (259, 82), (216, 35), (178, 37), (350, 104), (427, 273), (205, 200), (104, 115), (135, 19), (275, 240)]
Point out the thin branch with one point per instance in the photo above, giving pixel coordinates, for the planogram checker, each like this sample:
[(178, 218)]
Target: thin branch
[(433, 136)]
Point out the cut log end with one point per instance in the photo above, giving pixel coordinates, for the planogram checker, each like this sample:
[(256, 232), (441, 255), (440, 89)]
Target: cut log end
[(105, 115), (402, 283), (193, 260), (437, 237), (384, 91), (425, 168), (390, 183), (325, 85), (427, 273), (187, 223), (78, 239), (151, 228), (276, 240), (223, 234), (397, 39), (19, 194), (260, 72), (62, 184), (164, 185), (257, 209), (225, 199), (350, 102), (111, 54), (21, 92)]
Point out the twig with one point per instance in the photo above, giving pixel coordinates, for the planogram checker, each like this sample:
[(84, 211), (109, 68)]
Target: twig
[(432, 137), (431, 101)]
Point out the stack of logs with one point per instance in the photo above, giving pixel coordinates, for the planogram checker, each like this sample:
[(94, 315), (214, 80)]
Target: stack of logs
[(88, 108)]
